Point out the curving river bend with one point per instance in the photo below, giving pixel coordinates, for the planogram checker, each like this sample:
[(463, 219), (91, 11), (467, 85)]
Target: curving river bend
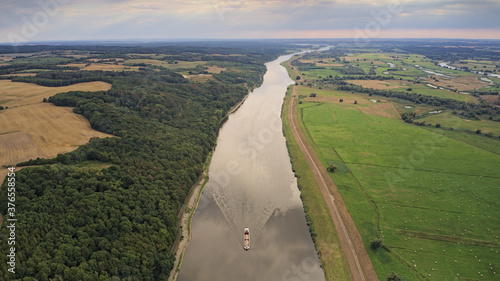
[(252, 185)]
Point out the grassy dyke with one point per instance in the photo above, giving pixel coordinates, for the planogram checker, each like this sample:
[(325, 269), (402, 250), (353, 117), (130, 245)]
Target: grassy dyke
[(327, 242)]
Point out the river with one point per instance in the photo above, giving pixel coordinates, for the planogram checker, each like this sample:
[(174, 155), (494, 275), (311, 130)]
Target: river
[(252, 185)]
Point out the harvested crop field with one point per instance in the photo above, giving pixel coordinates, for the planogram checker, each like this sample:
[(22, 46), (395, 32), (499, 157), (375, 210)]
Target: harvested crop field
[(381, 109), (462, 83), (199, 77), (491, 98), (20, 74), (41, 130), (378, 85), (14, 94), (103, 66), (215, 69)]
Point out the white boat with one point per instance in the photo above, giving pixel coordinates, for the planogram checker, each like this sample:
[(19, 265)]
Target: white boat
[(246, 239)]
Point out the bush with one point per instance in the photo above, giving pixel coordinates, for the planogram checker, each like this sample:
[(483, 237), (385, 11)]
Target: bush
[(375, 244), (393, 277), (331, 168)]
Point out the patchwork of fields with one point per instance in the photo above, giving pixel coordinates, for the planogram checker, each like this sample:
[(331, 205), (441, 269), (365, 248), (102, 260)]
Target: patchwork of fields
[(428, 196)]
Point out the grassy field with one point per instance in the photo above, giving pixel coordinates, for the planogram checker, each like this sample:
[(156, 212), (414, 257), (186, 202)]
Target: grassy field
[(419, 88), (17, 93), (422, 191), (447, 119), (327, 241)]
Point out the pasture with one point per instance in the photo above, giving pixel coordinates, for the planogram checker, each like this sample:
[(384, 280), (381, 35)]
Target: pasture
[(420, 190), (446, 119)]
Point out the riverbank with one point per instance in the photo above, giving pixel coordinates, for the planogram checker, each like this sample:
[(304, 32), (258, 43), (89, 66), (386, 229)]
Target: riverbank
[(191, 204), (185, 223)]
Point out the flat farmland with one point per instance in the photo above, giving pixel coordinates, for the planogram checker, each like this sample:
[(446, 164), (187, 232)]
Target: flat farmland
[(449, 120), (462, 83), (18, 93), (103, 66), (380, 85), (41, 130), (166, 64), (421, 191)]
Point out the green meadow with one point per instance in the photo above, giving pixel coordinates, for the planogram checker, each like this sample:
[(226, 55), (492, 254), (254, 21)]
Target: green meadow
[(430, 195), (446, 119)]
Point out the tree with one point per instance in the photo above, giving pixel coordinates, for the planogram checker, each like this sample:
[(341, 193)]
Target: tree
[(297, 78), (355, 102), (312, 95), (44, 99), (341, 100)]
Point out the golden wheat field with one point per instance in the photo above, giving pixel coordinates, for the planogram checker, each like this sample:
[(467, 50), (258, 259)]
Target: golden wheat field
[(17, 93), (41, 130), (30, 128)]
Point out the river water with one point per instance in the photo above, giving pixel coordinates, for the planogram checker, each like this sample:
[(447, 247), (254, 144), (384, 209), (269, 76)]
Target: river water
[(252, 185)]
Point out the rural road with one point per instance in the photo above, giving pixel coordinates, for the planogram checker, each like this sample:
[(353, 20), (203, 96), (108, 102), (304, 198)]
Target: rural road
[(351, 242)]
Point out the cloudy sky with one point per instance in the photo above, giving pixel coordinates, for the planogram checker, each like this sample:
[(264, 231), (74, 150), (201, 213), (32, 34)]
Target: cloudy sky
[(48, 20)]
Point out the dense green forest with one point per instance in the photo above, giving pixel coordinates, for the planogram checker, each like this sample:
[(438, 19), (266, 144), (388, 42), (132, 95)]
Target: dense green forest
[(108, 210)]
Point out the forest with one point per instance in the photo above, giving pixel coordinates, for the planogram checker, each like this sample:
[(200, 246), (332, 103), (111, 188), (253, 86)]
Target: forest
[(108, 210)]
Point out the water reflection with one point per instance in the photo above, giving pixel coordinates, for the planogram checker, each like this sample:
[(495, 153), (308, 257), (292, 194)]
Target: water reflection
[(252, 185)]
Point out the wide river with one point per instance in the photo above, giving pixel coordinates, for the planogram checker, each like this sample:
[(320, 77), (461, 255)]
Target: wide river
[(252, 185)]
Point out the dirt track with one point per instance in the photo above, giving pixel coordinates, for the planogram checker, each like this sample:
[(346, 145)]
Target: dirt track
[(352, 245)]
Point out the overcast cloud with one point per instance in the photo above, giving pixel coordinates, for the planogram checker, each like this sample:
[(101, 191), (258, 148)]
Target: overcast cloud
[(42, 20)]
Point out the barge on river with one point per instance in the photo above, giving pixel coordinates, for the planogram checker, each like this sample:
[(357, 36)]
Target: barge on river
[(246, 239)]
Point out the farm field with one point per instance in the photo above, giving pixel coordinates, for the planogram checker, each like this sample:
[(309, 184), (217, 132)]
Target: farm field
[(103, 66), (41, 130), (166, 64), (18, 93), (421, 88), (449, 120), (422, 192), (30, 128)]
